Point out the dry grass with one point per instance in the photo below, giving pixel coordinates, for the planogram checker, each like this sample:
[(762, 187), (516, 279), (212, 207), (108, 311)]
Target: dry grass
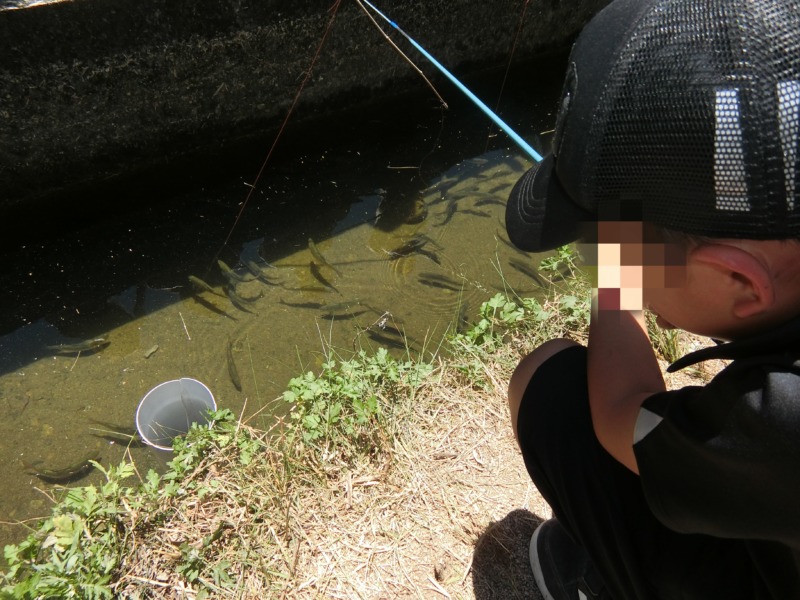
[(444, 510)]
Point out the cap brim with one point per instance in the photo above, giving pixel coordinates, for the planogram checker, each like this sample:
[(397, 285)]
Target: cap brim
[(540, 216)]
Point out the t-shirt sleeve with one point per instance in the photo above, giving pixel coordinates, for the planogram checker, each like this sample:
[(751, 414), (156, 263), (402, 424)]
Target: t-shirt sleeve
[(724, 459)]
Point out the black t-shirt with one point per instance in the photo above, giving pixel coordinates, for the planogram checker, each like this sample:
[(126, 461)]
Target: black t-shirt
[(724, 459)]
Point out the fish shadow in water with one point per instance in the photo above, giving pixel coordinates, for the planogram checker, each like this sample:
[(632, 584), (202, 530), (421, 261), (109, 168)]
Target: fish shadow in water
[(66, 475), (122, 440)]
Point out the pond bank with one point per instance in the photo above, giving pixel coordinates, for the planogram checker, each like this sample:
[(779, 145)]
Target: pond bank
[(415, 489), (390, 498)]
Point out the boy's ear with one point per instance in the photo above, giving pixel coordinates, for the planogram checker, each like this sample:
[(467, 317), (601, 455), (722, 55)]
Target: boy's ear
[(747, 279)]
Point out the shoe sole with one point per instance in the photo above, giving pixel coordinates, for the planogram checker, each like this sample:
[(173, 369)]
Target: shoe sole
[(536, 567)]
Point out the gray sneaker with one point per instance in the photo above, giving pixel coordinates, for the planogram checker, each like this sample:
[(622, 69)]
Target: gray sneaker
[(562, 569)]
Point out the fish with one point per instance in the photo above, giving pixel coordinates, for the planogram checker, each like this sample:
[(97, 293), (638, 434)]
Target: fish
[(118, 434), (462, 318), (340, 306), (64, 474), (440, 281), (476, 213), (500, 187), (92, 345), (414, 244), (408, 247), (233, 372), (121, 439), (258, 272), (315, 271), (342, 316), (486, 201), (391, 336), (451, 209), (127, 430), (430, 254), (341, 310), (431, 241), (442, 186), (385, 327), (319, 258), (241, 302), (386, 340), (314, 289), (527, 271), (213, 308), (418, 213), (233, 276), (314, 305), (201, 286)]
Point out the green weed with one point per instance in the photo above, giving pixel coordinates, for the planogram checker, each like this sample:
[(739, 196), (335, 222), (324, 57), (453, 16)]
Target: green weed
[(341, 403), (503, 317), (666, 342), (562, 264), (75, 552)]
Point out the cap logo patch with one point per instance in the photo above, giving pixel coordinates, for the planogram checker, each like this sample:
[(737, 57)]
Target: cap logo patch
[(730, 183), (789, 129)]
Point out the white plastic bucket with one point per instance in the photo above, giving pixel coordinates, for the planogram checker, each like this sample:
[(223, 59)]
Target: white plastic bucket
[(169, 410)]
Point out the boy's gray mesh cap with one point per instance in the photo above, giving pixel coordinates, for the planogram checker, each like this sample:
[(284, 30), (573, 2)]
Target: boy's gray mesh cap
[(683, 113)]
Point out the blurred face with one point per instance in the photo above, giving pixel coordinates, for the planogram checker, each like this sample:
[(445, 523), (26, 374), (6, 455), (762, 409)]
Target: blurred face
[(687, 304), (664, 290), (730, 288), (721, 288), (632, 257), (652, 274)]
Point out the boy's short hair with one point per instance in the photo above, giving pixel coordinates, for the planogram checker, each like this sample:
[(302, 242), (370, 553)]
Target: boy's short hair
[(682, 113)]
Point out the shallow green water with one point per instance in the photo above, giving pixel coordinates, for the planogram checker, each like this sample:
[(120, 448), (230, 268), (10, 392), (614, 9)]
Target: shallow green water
[(437, 179)]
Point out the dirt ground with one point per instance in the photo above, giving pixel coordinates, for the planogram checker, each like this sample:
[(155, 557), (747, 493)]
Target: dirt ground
[(450, 519), (454, 515), (447, 511)]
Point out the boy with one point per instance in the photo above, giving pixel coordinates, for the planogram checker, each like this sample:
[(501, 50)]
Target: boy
[(676, 155)]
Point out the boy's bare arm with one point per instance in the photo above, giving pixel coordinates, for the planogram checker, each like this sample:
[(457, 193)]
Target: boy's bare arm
[(622, 372)]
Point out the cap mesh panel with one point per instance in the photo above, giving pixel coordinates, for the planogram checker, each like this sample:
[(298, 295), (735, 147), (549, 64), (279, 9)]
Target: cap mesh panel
[(699, 121)]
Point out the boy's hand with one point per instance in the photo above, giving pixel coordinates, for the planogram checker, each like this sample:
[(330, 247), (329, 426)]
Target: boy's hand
[(622, 367)]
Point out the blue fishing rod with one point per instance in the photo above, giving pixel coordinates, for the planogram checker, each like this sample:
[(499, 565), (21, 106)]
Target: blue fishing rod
[(477, 101)]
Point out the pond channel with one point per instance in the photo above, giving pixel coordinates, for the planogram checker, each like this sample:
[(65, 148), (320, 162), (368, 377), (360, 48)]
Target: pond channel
[(405, 202)]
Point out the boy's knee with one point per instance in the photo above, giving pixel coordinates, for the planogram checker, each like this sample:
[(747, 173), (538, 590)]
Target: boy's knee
[(524, 372)]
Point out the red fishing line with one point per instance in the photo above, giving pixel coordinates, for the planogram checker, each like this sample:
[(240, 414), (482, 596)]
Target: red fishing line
[(332, 10)]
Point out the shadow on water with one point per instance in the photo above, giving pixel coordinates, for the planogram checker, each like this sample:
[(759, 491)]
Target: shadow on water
[(404, 205)]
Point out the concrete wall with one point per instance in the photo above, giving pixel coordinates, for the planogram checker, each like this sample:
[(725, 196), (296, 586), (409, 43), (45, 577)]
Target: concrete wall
[(95, 89)]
